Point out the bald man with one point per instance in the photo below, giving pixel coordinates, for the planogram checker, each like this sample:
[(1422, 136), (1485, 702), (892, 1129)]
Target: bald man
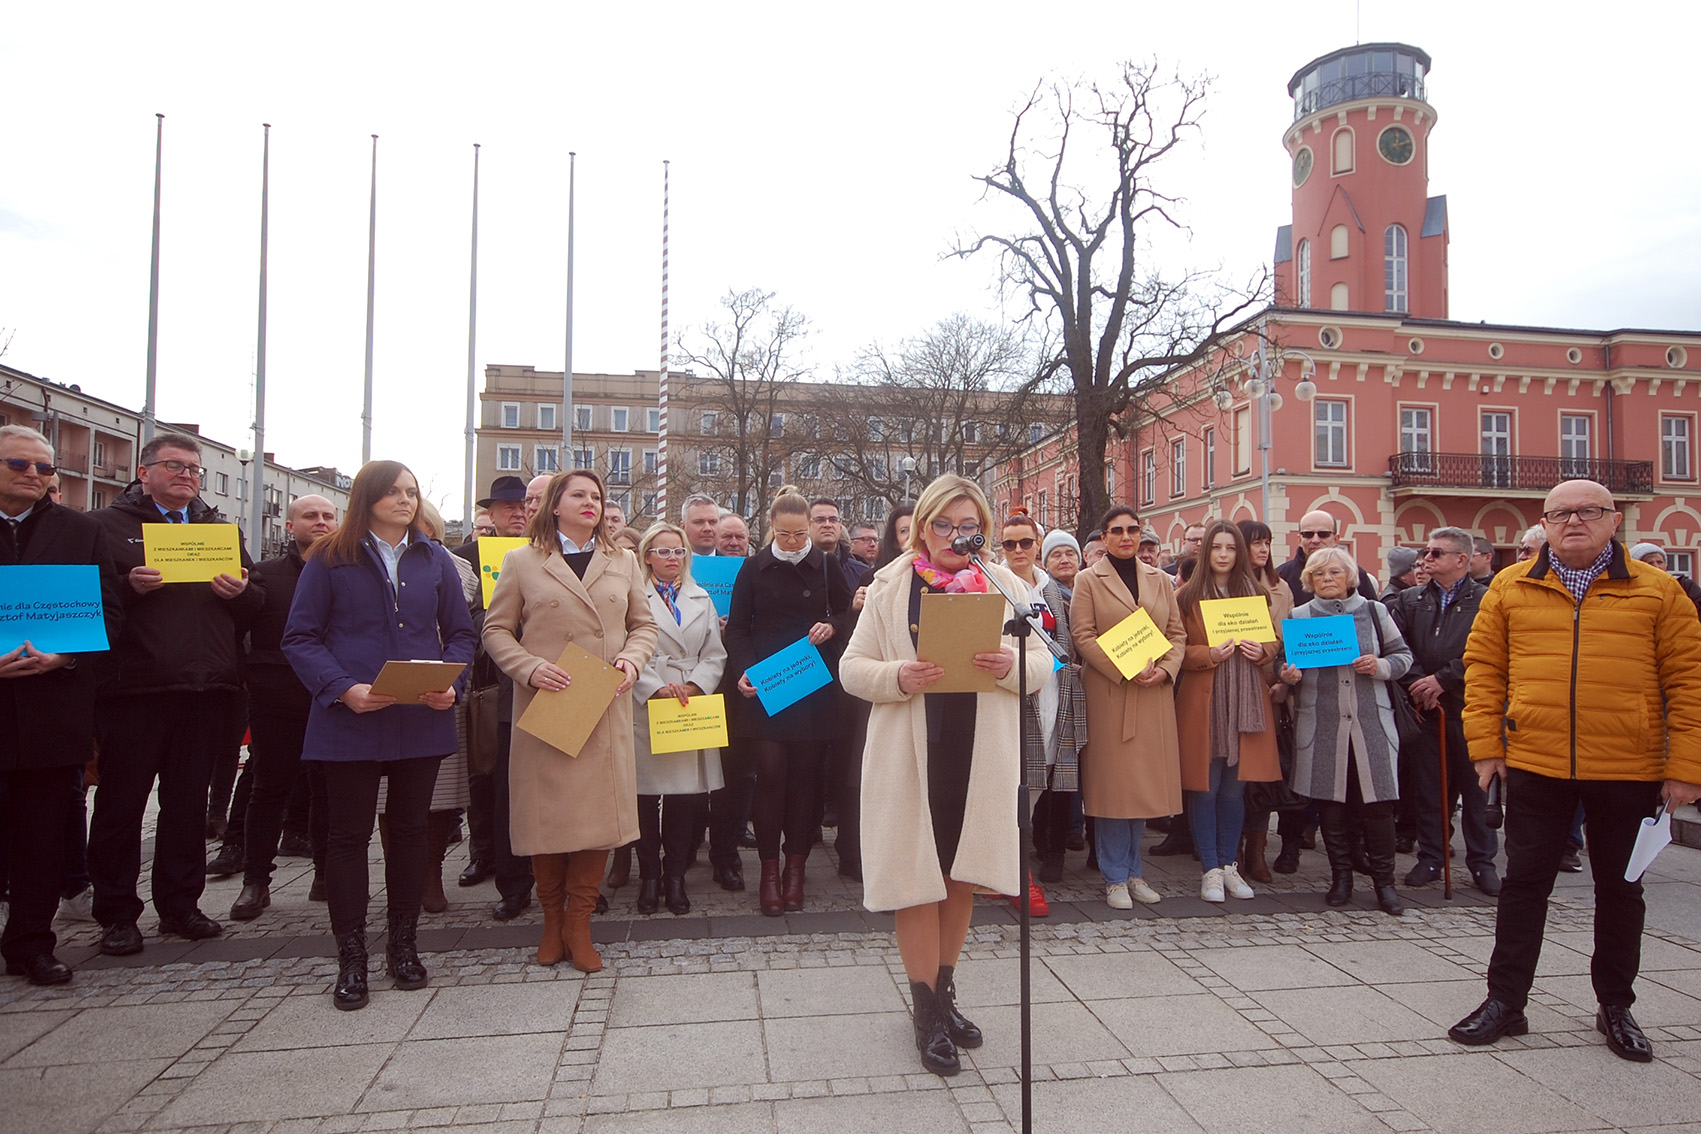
[(1317, 530), (536, 489)]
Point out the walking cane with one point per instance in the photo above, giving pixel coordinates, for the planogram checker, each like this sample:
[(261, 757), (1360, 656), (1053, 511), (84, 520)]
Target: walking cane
[(1446, 814)]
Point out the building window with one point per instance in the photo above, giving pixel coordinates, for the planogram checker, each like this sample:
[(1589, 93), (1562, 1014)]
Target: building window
[(546, 415), (877, 469), (99, 500), (777, 425), (1675, 447), (1242, 440), (619, 419), (971, 469), (708, 463), (876, 429), (1677, 562), (99, 454), (582, 417), (1210, 456), (623, 501), (649, 504), (620, 466), (652, 461), (1043, 517), (1036, 433), (1574, 445), (585, 458), (1496, 449), (1302, 274), (1148, 476), (510, 415), (971, 433), (1338, 242), (221, 483), (508, 458), (708, 423), (1417, 439), (874, 509), (652, 420), (1331, 420), (1394, 269), (1178, 467), (1343, 150), (1338, 298), (546, 459), (809, 468)]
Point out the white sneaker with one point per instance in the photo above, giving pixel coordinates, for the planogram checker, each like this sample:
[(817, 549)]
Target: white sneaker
[(1116, 896), (1211, 886), (1234, 883), (78, 908), (1142, 892)]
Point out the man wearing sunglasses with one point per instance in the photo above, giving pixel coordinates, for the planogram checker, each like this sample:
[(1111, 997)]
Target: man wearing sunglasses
[(47, 703), (1582, 684), (172, 700), (1316, 530)]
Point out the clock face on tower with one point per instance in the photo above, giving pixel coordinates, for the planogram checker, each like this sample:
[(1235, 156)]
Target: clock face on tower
[(1396, 145), (1301, 165)]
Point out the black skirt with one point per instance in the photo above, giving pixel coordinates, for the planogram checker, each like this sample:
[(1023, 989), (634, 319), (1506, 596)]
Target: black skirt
[(950, 750)]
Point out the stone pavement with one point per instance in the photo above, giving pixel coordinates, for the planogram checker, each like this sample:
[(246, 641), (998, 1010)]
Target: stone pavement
[(1272, 1014)]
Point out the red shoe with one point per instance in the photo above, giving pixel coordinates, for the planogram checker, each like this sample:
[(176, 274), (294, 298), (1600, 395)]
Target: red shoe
[(1037, 906)]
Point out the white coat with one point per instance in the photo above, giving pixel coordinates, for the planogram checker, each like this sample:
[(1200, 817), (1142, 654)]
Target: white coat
[(690, 651)]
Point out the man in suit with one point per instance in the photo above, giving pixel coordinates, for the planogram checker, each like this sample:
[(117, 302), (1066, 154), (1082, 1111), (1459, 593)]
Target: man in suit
[(46, 705), (701, 517)]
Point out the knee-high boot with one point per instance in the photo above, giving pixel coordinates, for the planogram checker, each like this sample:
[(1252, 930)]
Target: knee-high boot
[(550, 870), (1252, 856), (584, 872), (1337, 842), (437, 825), (1379, 848)]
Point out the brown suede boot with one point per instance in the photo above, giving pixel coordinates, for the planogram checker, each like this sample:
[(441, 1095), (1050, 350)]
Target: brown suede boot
[(550, 871), (434, 900), (1252, 857), (584, 874)]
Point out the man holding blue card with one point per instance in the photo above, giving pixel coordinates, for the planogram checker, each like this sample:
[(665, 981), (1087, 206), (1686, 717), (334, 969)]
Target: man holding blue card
[(46, 698)]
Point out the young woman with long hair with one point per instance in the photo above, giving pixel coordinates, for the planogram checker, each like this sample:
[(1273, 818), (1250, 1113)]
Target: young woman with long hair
[(1290, 823)]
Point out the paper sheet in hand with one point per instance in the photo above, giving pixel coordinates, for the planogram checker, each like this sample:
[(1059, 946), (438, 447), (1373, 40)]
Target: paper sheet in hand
[(566, 718), (785, 678), (1134, 643), (192, 553), (715, 574), (491, 551), (1237, 618), (954, 628), (406, 680), (55, 608), (1311, 643), (686, 728), (1651, 839)]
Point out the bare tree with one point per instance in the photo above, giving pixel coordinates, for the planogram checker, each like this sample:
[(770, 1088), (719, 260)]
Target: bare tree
[(1081, 258)]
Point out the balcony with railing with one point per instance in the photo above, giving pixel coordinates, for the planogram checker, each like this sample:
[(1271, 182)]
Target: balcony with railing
[(1372, 70), (1483, 472)]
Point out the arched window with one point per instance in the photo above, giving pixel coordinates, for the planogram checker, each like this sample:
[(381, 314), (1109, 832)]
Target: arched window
[(1302, 274), (1394, 269), (1338, 297), (1338, 242), (1343, 151)]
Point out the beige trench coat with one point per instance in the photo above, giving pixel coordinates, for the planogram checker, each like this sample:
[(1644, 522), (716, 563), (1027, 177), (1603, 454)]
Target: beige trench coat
[(900, 863), (562, 803), (1132, 766)]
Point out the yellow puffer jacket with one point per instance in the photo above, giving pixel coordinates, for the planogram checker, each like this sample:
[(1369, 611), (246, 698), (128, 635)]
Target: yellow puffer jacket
[(1605, 689)]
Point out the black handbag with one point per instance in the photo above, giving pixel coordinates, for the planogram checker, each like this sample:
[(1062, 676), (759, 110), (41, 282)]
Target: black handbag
[(1406, 721), (1278, 795)]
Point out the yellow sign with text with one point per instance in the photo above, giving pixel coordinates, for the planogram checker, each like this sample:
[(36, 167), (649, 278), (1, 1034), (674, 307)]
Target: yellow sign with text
[(491, 551), (1134, 643), (193, 553), (1238, 619), (684, 728)]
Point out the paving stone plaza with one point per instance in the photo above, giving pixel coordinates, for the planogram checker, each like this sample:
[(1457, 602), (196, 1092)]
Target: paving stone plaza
[(1273, 1014)]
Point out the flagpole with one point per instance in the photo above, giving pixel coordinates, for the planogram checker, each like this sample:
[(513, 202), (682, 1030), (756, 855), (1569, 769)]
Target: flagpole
[(661, 446), (371, 277), (148, 399), (257, 534), (566, 460), (472, 340)]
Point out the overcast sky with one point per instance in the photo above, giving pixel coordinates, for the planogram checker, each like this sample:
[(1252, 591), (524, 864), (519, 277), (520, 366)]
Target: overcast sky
[(822, 152)]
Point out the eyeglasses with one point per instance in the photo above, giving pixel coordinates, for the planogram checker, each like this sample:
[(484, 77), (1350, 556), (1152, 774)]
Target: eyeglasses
[(176, 468), (778, 534), (943, 528), (824, 520), (1122, 531), (865, 539), (42, 468), (1315, 535), (1528, 552), (1438, 552), (1588, 515), (669, 552), (1023, 543)]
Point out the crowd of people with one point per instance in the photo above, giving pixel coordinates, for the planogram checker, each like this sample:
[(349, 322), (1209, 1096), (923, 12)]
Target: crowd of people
[(1571, 679)]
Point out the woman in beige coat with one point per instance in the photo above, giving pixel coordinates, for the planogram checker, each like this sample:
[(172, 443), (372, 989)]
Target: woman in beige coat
[(940, 770), (570, 584), (1131, 770)]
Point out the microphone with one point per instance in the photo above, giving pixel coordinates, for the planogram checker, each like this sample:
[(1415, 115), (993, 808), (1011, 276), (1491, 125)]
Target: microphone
[(968, 545), (1494, 814)]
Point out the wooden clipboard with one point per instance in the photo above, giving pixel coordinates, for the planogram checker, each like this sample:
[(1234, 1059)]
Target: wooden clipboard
[(406, 680), (954, 628), (565, 718)]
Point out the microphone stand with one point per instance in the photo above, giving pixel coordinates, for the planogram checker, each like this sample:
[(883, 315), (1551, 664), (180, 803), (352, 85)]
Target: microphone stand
[(1019, 628)]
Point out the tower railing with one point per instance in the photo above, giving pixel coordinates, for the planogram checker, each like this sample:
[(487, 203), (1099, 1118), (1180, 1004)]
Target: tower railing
[(1350, 87)]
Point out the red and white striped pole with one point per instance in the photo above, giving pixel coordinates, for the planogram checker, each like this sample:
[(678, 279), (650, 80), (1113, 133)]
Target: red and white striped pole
[(661, 448)]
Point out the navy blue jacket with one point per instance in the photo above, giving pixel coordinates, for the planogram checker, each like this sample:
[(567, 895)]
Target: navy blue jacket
[(347, 621)]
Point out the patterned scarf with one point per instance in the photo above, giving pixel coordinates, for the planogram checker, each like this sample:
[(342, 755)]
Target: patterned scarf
[(670, 595), (967, 581)]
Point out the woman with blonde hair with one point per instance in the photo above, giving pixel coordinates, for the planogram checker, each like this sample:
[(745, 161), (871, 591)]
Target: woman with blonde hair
[(787, 591), (673, 787), (570, 584), (938, 818)]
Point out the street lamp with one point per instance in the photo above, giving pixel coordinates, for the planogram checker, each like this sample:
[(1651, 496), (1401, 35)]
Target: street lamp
[(908, 465), (1261, 388)]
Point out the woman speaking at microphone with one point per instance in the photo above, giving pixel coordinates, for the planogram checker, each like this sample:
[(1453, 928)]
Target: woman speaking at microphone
[(570, 584), (939, 822)]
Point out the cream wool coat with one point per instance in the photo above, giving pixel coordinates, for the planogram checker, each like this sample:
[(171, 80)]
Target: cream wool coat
[(562, 803), (900, 864), (689, 651)]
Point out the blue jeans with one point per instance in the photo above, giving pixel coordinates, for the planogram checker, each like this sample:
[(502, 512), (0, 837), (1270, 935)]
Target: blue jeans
[(1217, 816), (1118, 844)]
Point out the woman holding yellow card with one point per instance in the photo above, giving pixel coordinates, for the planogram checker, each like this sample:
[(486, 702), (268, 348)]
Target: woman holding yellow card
[(1131, 770), (1223, 712), (570, 584), (673, 787)]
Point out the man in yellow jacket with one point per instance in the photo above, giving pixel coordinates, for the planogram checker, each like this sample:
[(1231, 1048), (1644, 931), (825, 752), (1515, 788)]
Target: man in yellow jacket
[(1582, 684)]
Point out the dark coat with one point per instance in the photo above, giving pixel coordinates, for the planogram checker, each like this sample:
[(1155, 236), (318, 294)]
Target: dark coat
[(1438, 639), (347, 621), (272, 684), (774, 603), (47, 721), (1290, 570), (182, 638)]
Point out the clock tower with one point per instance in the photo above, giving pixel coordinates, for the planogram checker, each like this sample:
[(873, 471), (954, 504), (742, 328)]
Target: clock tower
[(1366, 236)]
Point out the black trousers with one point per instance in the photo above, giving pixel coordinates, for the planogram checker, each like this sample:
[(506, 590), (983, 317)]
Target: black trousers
[(173, 738), (222, 802), (34, 816), (1538, 819), (236, 827), (786, 795), (667, 824), (274, 762), (513, 874), (729, 806), (1481, 842), (1051, 821), (352, 787), (847, 841)]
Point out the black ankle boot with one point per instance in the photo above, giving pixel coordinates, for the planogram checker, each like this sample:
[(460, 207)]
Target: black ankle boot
[(1288, 861), (938, 1053), (406, 970), (962, 1031), (350, 991), (674, 891), (649, 896)]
